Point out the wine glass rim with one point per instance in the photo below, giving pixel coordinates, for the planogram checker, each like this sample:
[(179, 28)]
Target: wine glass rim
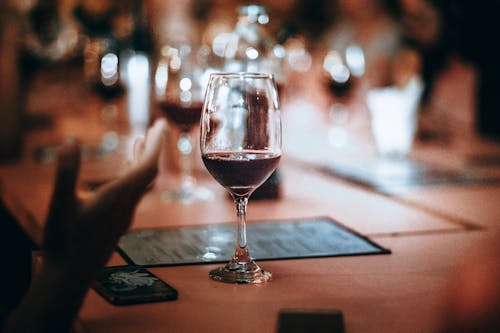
[(243, 75)]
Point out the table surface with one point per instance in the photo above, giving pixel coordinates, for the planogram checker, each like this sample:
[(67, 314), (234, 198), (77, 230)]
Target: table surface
[(429, 229)]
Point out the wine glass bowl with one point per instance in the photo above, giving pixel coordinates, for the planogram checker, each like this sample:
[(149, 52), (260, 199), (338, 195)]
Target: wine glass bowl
[(185, 117), (240, 144)]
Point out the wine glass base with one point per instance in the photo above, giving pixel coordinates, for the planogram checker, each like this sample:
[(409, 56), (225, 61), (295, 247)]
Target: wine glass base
[(240, 273), (188, 194)]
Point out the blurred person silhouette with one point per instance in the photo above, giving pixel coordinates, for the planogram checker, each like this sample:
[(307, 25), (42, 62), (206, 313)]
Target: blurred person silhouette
[(79, 237), (460, 64)]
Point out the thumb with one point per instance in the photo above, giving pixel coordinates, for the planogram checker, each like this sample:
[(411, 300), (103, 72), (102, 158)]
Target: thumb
[(68, 165)]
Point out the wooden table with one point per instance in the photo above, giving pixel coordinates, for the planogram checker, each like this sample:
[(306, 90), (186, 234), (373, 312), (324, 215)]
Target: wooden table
[(428, 229)]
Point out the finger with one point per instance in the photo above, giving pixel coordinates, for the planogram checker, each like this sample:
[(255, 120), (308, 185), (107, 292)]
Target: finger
[(153, 143), (147, 150), (146, 166), (133, 183), (137, 150), (68, 166)]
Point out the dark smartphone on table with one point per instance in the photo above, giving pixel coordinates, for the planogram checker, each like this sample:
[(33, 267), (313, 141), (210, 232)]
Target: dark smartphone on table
[(126, 285)]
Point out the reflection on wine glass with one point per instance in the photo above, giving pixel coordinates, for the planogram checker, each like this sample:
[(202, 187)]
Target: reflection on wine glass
[(241, 146), (178, 87)]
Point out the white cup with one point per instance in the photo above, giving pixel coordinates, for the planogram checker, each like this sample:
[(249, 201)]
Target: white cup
[(393, 114)]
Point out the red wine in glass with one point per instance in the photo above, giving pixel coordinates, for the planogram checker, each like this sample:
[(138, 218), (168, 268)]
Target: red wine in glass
[(185, 117), (241, 172)]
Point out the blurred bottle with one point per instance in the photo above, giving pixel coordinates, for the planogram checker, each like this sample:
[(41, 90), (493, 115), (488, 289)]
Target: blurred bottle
[(249, 42), (251, 47), (112, 28)]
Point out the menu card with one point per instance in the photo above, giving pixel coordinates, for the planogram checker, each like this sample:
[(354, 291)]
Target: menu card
[(307, 238)]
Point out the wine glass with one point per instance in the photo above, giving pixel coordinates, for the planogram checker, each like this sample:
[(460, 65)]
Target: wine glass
[(241, 146), (341, 68), (179, 97)]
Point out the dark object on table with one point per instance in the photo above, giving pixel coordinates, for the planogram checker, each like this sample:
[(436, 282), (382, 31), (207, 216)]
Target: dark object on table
[(310, 321), (124, 285), (270, 189)]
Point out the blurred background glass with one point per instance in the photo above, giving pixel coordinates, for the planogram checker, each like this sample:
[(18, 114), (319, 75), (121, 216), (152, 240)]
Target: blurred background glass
[(179, 84)]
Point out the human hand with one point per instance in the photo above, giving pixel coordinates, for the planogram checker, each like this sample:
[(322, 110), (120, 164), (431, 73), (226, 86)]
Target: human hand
[(81, 234)]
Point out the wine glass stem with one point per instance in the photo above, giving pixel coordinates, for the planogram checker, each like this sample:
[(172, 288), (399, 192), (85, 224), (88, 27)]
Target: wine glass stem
[(185, 147), (241, 253)]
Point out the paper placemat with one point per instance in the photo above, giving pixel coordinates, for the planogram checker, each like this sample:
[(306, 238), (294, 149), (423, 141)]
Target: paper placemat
[(291, 239)]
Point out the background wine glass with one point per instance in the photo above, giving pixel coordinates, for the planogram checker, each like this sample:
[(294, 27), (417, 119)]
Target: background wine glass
[(342, 68), (241, 146), (178, 91)]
